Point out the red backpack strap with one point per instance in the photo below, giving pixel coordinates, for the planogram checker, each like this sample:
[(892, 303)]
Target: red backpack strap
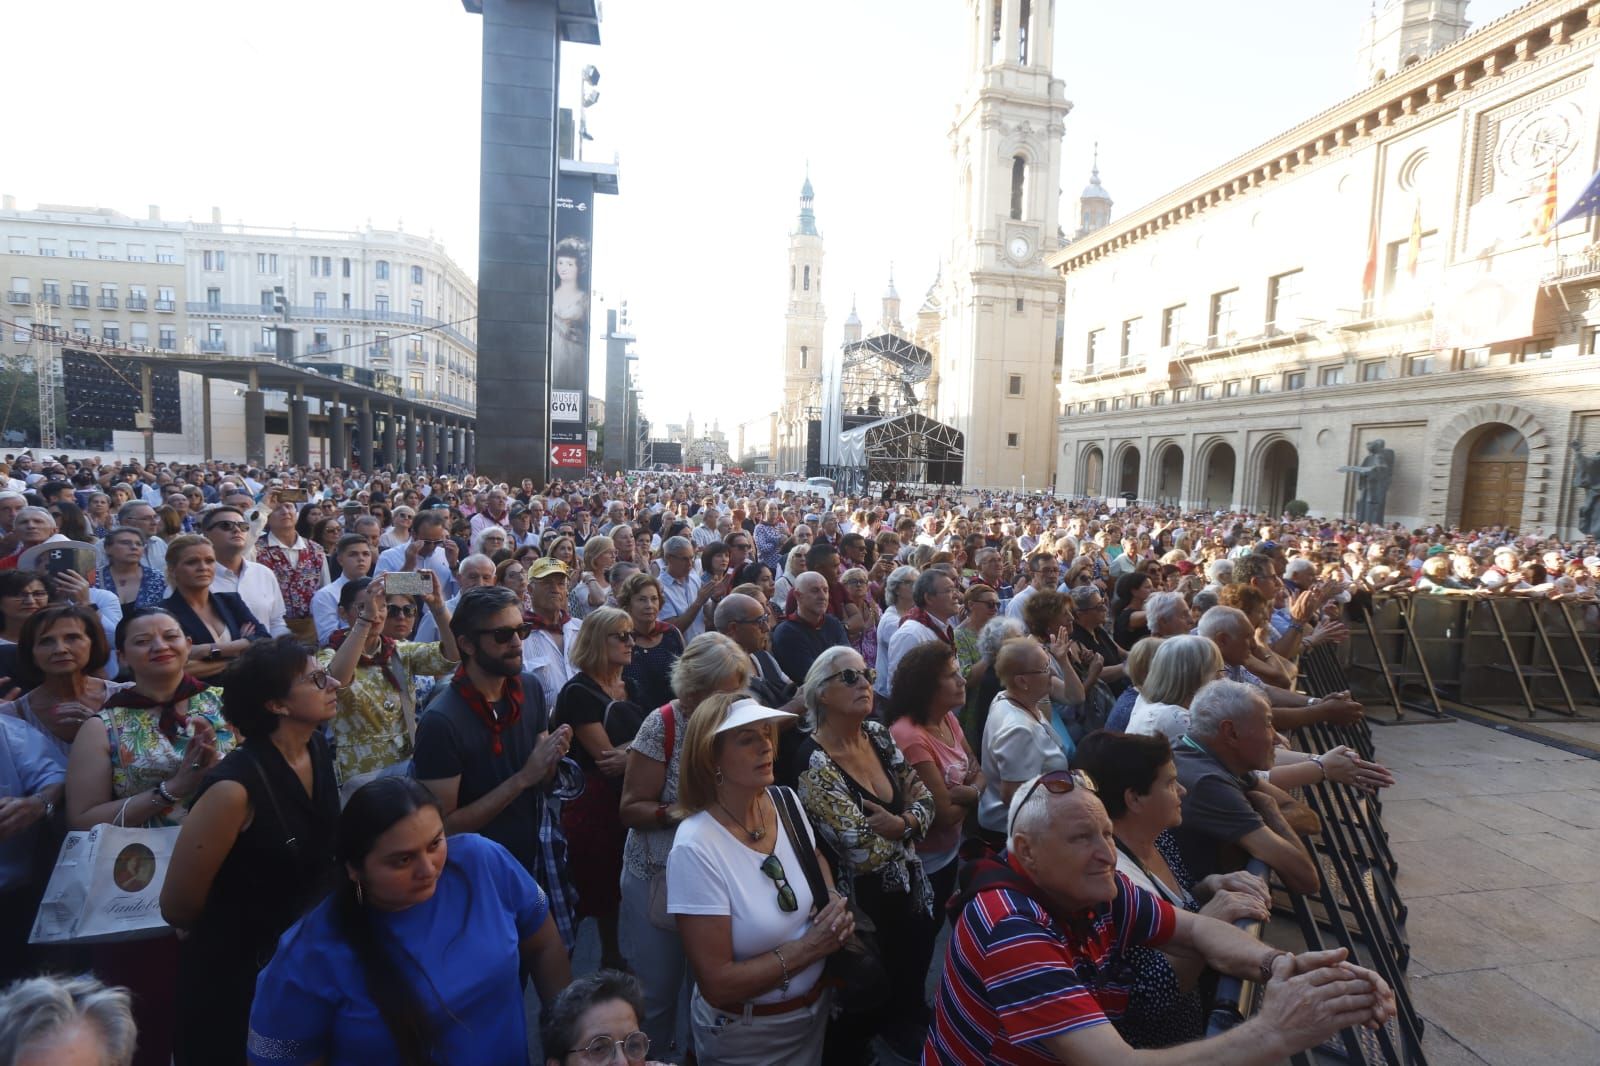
[(670, 720)]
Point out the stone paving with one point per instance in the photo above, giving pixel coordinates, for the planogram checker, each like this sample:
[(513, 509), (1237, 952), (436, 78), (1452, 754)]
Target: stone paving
[(1498, 841)]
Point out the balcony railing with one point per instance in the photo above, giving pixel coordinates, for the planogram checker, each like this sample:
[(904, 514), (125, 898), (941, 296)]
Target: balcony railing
[(378, 351), (108, 302), (214, 347), (166, 305), (50, 297), (260, 348), (78, 299), (1576, 267), (138, 303), (318, 349), (19, 297), (338, 314)]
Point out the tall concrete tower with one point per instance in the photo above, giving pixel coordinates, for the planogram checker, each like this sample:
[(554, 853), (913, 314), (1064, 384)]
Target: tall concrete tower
[(997, 371), (802, 337)]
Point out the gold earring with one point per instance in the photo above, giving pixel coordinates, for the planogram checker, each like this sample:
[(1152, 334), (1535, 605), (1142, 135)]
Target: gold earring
[(718, 775)]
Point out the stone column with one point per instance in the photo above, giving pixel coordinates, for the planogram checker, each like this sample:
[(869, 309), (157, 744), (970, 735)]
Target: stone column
[(389, 456), (472, 451), (425, 441), (338, 437), (410, 432), (255, 422), (299, 429), (364, 431)]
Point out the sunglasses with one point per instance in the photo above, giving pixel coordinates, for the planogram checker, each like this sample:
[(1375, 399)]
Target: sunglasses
[(773, 868), (503, 634), (852, 676), (626, 638), (403, 610), (1057, 783)]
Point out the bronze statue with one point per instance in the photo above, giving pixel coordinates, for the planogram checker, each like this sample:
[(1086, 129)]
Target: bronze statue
[(1375, 473), (1587, 477)]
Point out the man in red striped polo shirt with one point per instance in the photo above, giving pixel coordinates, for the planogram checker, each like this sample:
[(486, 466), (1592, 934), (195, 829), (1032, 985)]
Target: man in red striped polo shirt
[(1036, 967)]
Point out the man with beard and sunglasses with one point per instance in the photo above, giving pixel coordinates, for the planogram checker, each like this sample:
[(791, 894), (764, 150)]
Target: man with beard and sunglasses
[(485, 749), (1037, 967)]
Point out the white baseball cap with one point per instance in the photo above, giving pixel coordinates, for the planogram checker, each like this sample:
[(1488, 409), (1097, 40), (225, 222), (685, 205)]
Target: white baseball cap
[(749, 712)]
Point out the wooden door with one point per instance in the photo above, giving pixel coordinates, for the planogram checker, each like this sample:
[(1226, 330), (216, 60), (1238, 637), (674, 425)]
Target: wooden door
[(1497, 472)]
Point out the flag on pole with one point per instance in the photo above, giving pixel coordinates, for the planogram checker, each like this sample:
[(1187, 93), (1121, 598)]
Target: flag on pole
[(1585, 204), (1414, 245), (1369, 276), (1544, 223)]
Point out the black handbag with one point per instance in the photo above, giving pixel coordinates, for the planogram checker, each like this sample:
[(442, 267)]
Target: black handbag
[(856, 970)]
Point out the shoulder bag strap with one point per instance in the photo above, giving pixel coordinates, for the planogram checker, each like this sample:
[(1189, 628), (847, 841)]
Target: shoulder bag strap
[(789, 814), (292, 843)]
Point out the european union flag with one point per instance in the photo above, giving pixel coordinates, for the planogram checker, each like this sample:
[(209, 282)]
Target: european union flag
[(1583, 205)]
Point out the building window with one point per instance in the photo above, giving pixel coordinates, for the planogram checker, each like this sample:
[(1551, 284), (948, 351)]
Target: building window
[(803, 353), (213, 299), (1014, 385), (214, 335), (314, 262), (1402, 271), (380, 304), (110, 332), (1261, 386), (77, 249), (805, 278), (1172, 326), (1019, 181), (1294, 381), (1158, 399), (1232, 388), (266, 302), (383, 270), (136, 253), (269, 338), (1534, 350), (1418, 365), (222, 260), (266, 262), (79, 297), (168, 338), (22, 331), (1118, 403), (1283, 302), (1182, 395), (1135, 401), (1591, 341), (165, 254), (344, 265), (82, 327), (1100, 406), (1013, 440), (139, 333), (1132, 338), (1474, 358), (1093, 348), (1020, 304), (344, 301), (1376, 370), (348, 341), (1331, 375), (108, 250), (166, 298), (1223, 306), (319, 302), (1207, 392), (416, 275), (416, 310)]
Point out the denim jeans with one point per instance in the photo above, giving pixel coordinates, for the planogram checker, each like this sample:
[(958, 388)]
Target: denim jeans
[(657, 958)]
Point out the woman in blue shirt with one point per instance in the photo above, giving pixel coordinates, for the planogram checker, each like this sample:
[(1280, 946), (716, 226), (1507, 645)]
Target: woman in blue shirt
[(415, 959)]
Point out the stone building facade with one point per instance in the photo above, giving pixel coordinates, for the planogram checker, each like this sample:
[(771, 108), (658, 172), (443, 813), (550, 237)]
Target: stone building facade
[(1375, 273)]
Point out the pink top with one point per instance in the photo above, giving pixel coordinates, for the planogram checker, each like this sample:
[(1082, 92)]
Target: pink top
[(920, 746)]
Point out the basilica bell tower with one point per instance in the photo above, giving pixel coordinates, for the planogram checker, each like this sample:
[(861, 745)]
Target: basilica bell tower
[(998, 368), (803, 320)]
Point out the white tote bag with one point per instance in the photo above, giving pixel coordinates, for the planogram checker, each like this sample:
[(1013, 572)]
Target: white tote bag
[(106, 886)]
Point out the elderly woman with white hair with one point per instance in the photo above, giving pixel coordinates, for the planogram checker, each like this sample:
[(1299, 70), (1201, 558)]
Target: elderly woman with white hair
[(1181, 667), (46, 1021), (488, 540), (1168, 615), (898, 595), (870, 809), (793, 566)]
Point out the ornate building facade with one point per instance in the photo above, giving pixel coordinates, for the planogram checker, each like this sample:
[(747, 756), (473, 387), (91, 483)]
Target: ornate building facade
[(1373, 274), (996, 370)]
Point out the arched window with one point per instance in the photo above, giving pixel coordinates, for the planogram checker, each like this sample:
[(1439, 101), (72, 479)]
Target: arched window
[(1025, 14), (1019, 178), (803, 351), (807, 276)]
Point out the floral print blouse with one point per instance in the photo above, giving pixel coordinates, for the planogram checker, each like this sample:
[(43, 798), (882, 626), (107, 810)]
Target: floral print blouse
[(833, 803), (299, 579), (141, 755), (377, 722)]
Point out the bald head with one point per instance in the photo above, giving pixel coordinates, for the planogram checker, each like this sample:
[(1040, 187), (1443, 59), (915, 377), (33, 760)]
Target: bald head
[(733, 609), (1015, 657)]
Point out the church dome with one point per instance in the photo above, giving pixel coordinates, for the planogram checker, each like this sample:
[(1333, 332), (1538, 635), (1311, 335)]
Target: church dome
[(1094, 190)]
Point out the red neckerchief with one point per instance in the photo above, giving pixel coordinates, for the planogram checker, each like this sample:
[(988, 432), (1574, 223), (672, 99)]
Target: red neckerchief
[(385, 652), (794, 616), (474, 699), (549, 627), (940, 629), (660, 628), (171, 722)]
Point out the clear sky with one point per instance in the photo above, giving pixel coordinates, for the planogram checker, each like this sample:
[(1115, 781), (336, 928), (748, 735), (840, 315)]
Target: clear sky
[(329, 113)]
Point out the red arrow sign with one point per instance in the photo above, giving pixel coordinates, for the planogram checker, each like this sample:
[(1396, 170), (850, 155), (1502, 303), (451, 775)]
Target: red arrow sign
[(569, 455)]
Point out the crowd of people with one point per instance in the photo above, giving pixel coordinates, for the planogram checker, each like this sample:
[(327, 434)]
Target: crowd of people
[(795, 757)]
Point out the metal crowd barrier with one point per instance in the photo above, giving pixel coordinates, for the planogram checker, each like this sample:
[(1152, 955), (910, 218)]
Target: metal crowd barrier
[(1515, 656), (1357, 904)]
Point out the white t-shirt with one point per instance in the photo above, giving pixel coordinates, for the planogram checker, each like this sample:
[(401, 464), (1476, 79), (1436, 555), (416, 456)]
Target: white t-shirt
[(1016, 746), (709, 872), (1158, 719)]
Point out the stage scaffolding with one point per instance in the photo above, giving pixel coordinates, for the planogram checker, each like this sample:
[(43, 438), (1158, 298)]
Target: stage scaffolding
[(909, 449)]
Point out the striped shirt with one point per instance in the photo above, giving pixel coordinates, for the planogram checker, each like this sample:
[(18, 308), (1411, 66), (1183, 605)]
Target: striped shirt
[(1014, 978)]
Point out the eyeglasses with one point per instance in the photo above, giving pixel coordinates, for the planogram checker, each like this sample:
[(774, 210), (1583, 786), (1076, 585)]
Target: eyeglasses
[(852, 676), (404, 610), (773, 868), (319, 678), (759, 620), (626, 638), (228, 525), (602, 1049), (1057, 783), (503, 634)]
